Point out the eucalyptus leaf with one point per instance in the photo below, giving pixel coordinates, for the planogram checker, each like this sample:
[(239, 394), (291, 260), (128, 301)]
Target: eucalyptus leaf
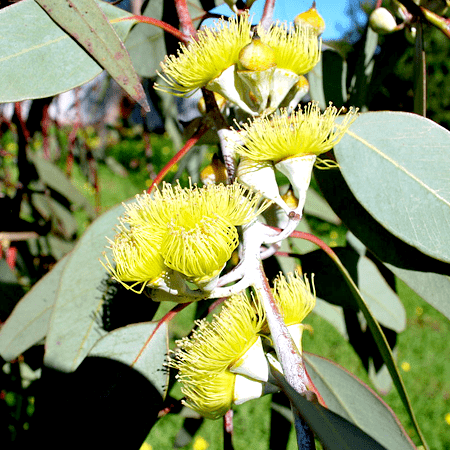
[(333, 431), (130, 346), (396, 164), (381, 342), (332, 314), (434, 288), (87, 24), (317, 206), (349, 397), (40, 57), (53, 177), (383, 244), (146, 43), (383, 301), (76, 323), (50, 209), (29, 321), (315, 79)]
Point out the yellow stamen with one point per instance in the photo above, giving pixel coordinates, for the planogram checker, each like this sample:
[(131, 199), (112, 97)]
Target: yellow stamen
[(191, 230), (294, 297), (296, 48), (207, 57), (304, 132), (201, 251), (204, 358)]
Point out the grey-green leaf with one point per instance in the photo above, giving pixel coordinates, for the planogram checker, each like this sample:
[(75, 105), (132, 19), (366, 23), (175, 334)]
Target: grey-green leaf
[(88, 25), (382, 300), (76, 323), (396, 165), (146, 43), (29, 321), (53, 177), (347, 396), (40, 57), (317, 206), (130, 346), (434, 288)]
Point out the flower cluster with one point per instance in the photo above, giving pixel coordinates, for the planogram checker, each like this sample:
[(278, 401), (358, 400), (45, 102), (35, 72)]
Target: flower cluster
[(191, 231), (254, 70), (223, 362), (178, 235)]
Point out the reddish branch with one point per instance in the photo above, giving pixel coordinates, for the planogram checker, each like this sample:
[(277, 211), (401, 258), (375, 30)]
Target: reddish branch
[(187, 27), (267, 15), (188, 146), (167, 318), (158, 23)]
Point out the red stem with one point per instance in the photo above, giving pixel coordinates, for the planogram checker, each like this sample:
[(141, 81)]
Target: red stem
[(45, 124), (308, 237), (167, 318), (187, 27), (188, 146), (158, 23), (228, 430)]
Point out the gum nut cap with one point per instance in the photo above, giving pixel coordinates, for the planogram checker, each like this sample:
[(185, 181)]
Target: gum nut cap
[(257, 56)]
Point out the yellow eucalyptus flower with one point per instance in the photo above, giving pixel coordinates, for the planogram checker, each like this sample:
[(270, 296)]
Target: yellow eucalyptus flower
[(205, 58), (296, 49), (190, 230), (137, 259), (295, 301), (294, 297), (308, 132), (206, 359)]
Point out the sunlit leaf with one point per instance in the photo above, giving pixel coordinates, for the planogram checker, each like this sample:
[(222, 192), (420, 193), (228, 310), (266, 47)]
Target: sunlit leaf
[(29, 321), (40, 57), (332, 314), (332, 430), (349, 397), (129, 345), (432, 287), (317, 206), (88, 25), (383, 301), (396, 165), (76, 322)]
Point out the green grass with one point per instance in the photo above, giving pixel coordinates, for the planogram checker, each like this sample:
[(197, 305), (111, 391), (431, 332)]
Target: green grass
[(423, 345)]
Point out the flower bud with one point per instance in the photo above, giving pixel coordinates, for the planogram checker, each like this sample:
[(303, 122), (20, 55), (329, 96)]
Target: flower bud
[(257, 56), (382, 21), (220, 100), (311, 18), (290, 199), (214, 173)]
